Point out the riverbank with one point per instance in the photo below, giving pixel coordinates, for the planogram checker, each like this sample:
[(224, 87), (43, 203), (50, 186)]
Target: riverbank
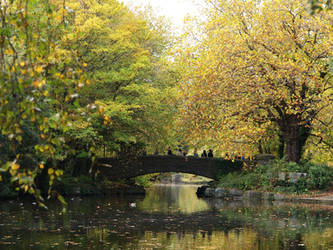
[(276, 180), (69, 186), (325, 197), (236, 194)]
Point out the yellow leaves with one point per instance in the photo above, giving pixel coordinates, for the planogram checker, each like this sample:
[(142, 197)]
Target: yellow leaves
[(107, 120), (29, 50), (14, 166), (59, 172), (39, 69), (18, 130), (9, 52), (38, 83), (51, 58), (253, 70), (45, 148), (50, 171), (101, 109), (59, 17)]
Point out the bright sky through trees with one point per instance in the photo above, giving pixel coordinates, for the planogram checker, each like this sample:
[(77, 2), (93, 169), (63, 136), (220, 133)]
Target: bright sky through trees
[(175, 10)]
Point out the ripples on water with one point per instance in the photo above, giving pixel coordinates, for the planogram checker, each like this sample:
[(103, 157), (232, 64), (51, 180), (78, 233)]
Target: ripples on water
[(168, 217)]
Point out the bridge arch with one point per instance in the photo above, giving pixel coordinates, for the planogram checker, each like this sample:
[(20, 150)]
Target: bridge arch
[(113, 168)]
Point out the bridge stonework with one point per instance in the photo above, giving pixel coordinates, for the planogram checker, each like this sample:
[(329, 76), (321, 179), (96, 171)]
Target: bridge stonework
[(113, 169)]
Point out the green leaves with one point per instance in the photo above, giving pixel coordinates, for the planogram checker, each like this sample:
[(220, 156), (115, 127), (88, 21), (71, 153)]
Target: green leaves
[(128, 80), (37, 77), (50, 111), (320, 5)]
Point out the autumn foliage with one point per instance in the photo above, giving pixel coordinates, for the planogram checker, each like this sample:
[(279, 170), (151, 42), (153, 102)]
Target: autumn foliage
[(39, 74), (77, 79), (258, 64)]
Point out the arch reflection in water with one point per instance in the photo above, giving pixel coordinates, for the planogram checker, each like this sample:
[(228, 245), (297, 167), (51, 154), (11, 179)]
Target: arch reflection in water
[(170, 199)]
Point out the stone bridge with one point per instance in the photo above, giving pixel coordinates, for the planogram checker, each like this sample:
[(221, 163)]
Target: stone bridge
[(113, 168)]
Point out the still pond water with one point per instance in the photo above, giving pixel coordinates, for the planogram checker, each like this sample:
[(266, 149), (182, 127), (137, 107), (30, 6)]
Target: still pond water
[(168, 217)]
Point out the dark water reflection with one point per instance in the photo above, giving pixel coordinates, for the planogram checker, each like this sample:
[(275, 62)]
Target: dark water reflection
[(169, 217)]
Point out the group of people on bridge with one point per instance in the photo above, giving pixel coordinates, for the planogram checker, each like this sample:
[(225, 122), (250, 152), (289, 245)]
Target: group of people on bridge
[(204, 154), (184, 152)]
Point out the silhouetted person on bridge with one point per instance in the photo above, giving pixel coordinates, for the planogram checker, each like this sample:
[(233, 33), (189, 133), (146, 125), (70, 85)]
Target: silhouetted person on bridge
[(180, 152), (169, 151), (156, 152), (195, 154), (204, 154), (210, 153)]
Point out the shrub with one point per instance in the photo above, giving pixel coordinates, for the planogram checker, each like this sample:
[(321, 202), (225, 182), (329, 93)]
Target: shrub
[(144, 180), (318, 177)]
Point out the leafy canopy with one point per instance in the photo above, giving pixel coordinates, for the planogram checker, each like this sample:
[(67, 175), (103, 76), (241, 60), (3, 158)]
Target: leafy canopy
[(257, 63)]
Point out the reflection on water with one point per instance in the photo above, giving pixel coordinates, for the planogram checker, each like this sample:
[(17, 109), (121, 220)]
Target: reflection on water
[(169, 217), (170, 199)]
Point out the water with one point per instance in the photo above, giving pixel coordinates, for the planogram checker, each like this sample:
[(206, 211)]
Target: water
[(169, 217)]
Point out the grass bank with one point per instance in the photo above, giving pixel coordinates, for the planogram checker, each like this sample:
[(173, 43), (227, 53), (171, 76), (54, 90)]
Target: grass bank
[(279, 176)]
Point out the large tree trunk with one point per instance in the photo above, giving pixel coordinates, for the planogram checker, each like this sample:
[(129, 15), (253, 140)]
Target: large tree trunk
[(290, 131), (292, 145)]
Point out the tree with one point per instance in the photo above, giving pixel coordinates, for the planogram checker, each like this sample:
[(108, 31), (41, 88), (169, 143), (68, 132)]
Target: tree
[(38, 80), (258, 63), (130, 96)]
